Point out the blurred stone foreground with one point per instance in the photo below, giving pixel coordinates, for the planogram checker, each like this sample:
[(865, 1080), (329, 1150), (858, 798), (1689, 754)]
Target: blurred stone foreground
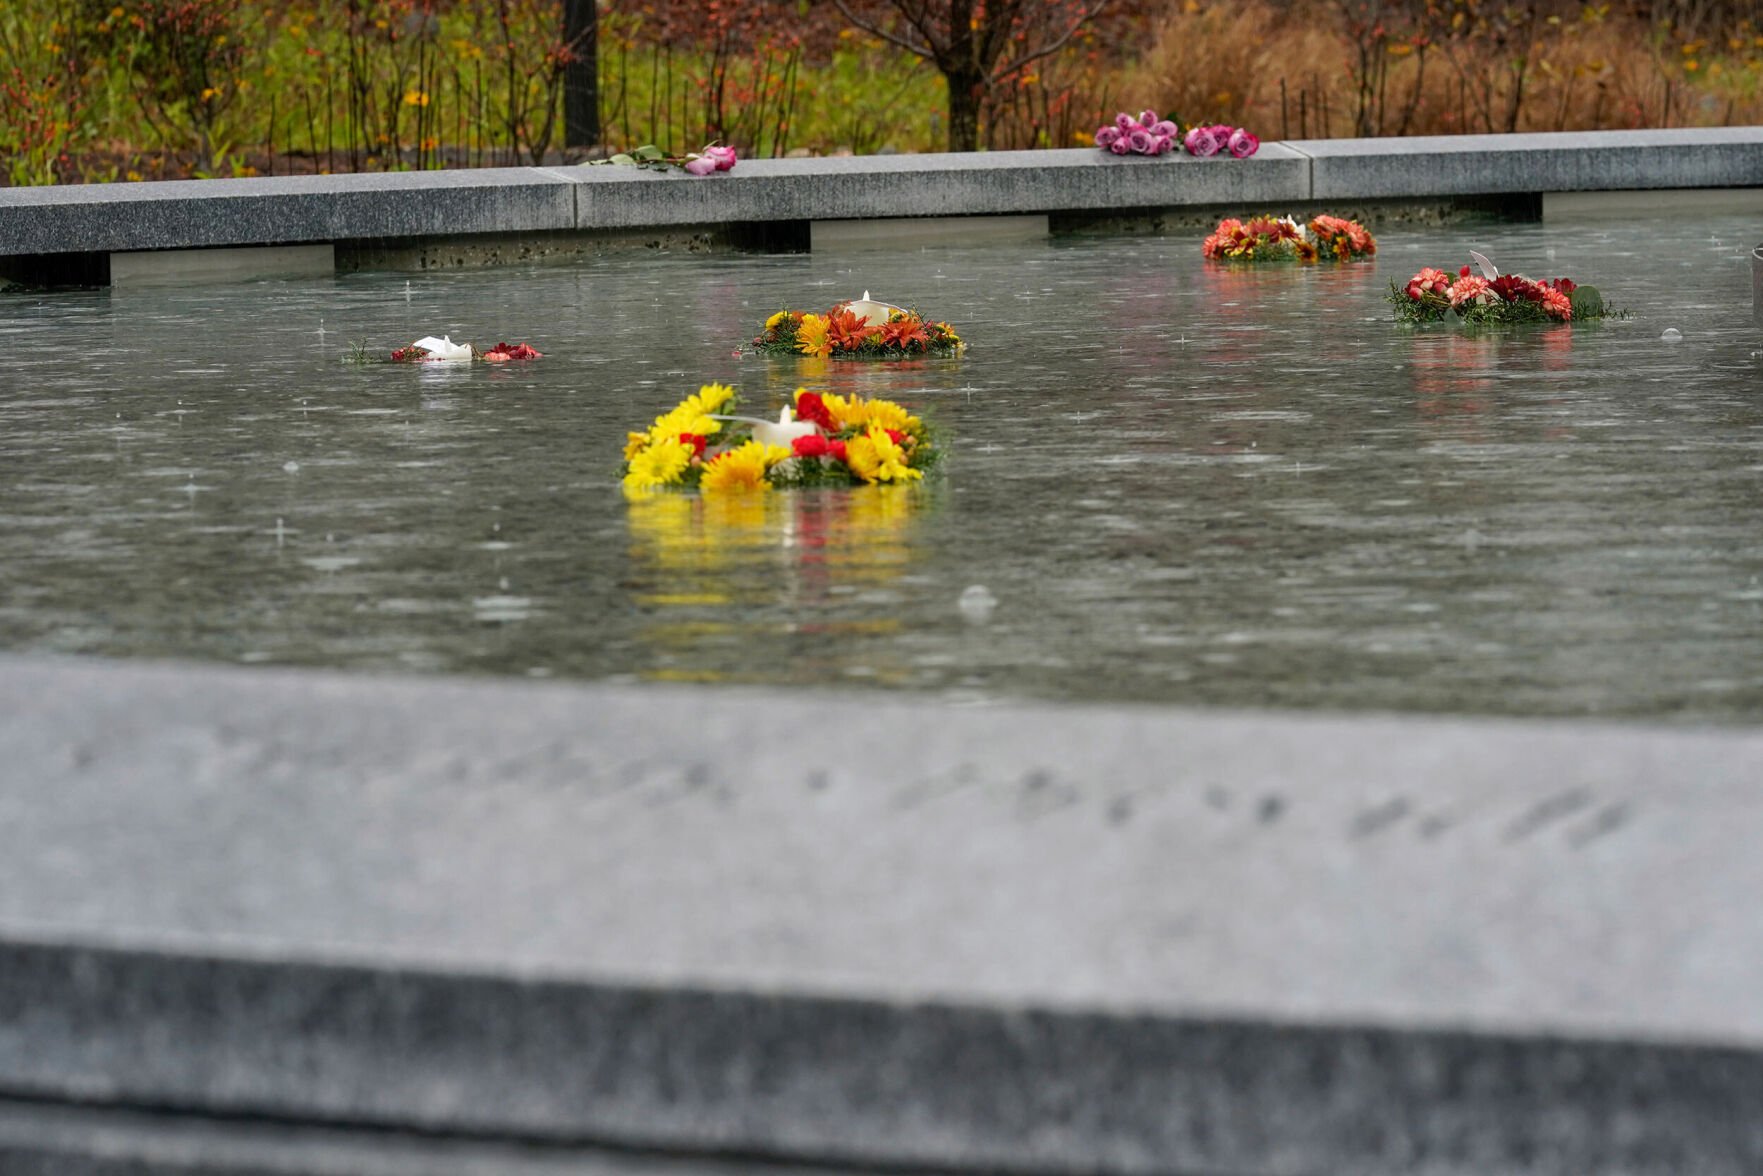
[(302, 922)]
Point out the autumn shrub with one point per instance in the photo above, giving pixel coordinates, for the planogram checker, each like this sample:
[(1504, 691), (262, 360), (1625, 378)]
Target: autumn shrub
[(1324, 68), (183, 61), (44, 115), (98, 89)]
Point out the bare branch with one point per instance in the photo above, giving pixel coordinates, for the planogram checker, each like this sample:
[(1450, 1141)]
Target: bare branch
[(885, 34), (1090, 12)]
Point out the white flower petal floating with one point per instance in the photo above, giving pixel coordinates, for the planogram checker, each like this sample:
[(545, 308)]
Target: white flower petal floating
[(444, 348), (873, 313), (1488, 269)]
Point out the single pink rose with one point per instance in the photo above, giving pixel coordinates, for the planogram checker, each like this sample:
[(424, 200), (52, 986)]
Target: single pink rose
[(1121, 146), (1124, 121), (1148, 119), (724, 157), (1141, 141), (1165, 144), (702, 165), (1201, 141), (1165, 128), (1242, 144), (1107, 136)]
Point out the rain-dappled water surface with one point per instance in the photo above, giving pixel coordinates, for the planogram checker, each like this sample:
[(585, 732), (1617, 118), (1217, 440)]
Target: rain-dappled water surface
[(1167, 482)]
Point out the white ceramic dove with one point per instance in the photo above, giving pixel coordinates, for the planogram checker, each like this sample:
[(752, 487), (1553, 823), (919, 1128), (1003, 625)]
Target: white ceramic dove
[(782, 431), (444, 347)]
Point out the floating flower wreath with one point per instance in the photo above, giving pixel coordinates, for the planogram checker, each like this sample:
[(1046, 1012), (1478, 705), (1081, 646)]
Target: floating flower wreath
[(443, 350), (822, 440), (1493, 297), (1268, 238), (859, 329)]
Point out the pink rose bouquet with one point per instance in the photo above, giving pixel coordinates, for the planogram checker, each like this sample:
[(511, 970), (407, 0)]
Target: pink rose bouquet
[(1210, 140), (1145, 135)]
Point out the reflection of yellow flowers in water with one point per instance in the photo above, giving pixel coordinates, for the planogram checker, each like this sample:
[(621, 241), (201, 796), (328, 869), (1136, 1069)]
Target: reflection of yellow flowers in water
[(742, 468), (718, 576), (811, 336), (742, 517), (704, 551), (690, 539), (663, 463), (874, 457)]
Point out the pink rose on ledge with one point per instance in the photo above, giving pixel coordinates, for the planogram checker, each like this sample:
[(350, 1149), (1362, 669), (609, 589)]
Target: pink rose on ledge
[(699, 163), (712, 158), (1202, 141), (1149, 135), (1144, 135), (1210, 140)]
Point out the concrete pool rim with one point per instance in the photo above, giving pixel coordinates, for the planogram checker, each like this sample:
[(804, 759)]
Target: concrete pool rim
[(78, 234)]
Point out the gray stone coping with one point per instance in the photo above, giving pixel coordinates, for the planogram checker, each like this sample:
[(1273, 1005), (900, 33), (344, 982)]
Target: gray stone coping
[(48, 1139), (400, 206), (1461, 165), (873, 930)]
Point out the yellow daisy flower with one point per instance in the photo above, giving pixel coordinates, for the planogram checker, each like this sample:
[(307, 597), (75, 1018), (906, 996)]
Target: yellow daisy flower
[(845, 412), (742, 468), (776, 320), (855, 411), (811, 336), (888, 415), (663, 463), (634, 444), (873, 456), (692, 415), (711, 397)]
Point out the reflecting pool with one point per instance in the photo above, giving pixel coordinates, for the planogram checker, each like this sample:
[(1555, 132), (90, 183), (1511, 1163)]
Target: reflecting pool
[(1167, 482)]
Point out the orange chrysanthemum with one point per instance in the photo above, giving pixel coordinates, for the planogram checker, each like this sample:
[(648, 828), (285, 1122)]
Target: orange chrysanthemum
[(846, 331)]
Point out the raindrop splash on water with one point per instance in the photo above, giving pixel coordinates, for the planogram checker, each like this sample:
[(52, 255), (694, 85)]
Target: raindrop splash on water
[(976, 604), (1671, 335)]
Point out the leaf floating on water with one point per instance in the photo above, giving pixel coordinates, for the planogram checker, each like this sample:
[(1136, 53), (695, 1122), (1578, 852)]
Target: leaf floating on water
[(1587, 302)]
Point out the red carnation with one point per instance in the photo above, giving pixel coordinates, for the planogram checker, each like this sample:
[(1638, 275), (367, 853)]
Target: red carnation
[(503, 352), (813, 445), (810, 407), (836, 450), (896, 436), (696, 442), (1512, 287)]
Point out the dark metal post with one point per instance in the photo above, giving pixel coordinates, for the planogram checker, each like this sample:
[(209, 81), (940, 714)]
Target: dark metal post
[(581, 82)]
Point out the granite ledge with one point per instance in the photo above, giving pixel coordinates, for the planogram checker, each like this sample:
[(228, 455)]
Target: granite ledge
[(286, 210)]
